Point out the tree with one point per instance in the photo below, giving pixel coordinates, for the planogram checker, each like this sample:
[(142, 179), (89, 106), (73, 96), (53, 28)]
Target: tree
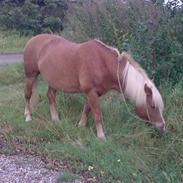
[(33, 16)]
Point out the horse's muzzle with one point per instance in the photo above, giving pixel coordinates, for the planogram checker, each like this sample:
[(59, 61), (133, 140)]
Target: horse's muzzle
[(160, 129)]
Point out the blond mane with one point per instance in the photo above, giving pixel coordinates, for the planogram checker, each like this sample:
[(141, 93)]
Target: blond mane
[(135, 78)]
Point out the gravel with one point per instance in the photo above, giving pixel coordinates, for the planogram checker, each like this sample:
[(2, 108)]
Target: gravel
[(25, 169)]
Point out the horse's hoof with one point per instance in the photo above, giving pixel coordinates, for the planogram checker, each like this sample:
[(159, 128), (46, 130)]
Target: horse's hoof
[(28, 118), (102, 138), (55, 119), (81, 124)]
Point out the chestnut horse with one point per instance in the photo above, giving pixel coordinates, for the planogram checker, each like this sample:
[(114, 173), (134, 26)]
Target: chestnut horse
[(91, 68)]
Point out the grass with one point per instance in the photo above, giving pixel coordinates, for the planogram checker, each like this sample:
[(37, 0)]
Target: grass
[(133, 152), (12, 42), (67, 177)]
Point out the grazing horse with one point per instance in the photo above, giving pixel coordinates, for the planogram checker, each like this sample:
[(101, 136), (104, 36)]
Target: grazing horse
[(91, 68)]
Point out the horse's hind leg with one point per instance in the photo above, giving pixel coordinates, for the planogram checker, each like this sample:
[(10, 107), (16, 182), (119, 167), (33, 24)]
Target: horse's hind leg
[(51, 94), (84, 116), (93, 101), (29, 84)]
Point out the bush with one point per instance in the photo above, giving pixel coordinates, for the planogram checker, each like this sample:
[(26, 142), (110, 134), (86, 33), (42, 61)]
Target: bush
[(32, 16), (149, 30)]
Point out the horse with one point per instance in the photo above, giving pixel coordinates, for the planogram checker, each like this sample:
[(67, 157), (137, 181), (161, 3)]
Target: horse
[(91, 68)]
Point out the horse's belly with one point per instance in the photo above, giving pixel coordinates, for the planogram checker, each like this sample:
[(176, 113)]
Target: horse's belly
[(68, 85), (61, 79), (63, 84)]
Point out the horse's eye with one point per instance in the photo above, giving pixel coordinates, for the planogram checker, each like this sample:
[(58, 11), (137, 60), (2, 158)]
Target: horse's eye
[(153, 106)]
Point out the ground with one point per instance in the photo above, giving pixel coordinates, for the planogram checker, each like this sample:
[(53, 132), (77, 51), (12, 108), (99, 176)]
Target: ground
[(23, 168)]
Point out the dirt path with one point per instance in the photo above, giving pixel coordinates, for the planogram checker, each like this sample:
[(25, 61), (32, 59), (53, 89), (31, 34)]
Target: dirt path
[(10, 58)]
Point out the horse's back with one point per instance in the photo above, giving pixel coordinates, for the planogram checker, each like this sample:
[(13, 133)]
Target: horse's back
[(64, 65), (73, 67)]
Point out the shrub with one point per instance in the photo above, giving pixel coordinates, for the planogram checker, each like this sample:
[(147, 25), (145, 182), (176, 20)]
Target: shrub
[(32, 16), (149, 30)]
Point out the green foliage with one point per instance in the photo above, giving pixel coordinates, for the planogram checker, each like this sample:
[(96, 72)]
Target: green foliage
[(67, 177), (147, 29), (32, 16), (151, 32), (14, 74), (12, 42), (133, 152)]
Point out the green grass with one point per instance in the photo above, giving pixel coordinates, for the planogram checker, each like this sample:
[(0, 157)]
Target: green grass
[(67, 177), (12, 42), (133, 152)]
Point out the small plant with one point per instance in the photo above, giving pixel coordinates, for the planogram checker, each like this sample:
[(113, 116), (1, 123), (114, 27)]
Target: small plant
[(67, 177)]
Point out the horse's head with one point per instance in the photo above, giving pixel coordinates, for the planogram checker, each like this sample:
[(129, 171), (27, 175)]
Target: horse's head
[(152, 110), (137, 87)]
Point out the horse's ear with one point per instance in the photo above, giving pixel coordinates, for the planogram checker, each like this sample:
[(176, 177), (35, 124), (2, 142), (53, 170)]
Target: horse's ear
[(147, 90)]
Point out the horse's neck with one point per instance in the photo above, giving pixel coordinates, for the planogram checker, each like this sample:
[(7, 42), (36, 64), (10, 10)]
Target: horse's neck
[(112, 65), (117, 71)]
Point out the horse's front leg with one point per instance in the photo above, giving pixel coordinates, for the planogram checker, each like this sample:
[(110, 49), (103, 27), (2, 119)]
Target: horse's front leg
[(84, 117), (93, 101)]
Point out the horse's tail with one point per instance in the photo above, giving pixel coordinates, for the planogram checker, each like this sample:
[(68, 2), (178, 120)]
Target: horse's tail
[(31, 72)]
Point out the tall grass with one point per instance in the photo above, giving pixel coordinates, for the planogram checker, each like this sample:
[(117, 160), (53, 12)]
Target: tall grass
[(133, 151), (12, 42)]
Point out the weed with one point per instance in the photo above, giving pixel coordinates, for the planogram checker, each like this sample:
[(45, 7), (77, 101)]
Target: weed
[(67, 177), (12, 42)]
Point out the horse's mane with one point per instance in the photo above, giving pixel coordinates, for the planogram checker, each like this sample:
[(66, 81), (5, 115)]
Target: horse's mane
[(110, 48), (136, 65), (135, 79)]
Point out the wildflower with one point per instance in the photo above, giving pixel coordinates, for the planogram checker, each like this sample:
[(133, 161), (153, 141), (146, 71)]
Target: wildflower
[(90, 168), (119, 160), (134, 174), (94, 178)]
